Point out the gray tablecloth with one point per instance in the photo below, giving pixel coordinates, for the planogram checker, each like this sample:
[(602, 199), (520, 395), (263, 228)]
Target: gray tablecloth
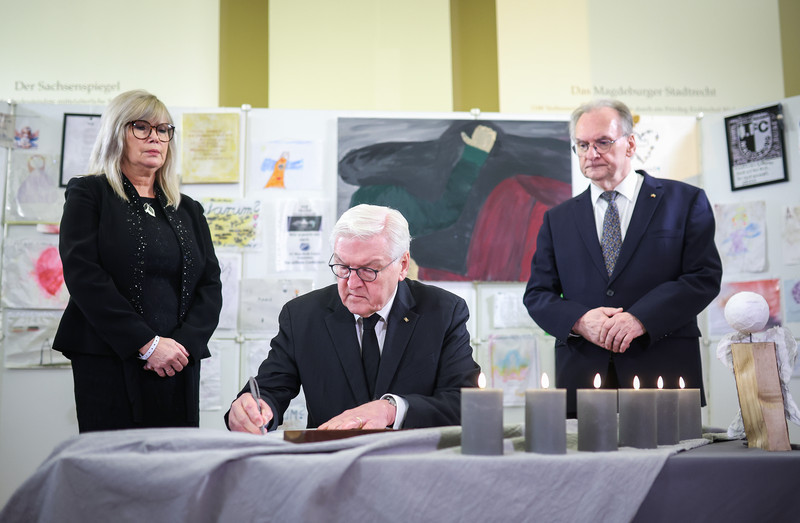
[(416, 475)]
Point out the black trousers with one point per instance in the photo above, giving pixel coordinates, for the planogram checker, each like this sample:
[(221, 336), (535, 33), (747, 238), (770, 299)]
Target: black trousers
[(113, 394)]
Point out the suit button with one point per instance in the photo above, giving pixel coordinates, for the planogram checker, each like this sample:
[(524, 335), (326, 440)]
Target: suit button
[(609, 292)]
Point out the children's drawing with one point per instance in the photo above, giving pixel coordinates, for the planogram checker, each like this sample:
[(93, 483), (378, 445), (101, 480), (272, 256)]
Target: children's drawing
[(791, 235), (230, 265), (791, 291), (33, 194), (28, 339), (515, 365), (211, 377), (474, 192), (741, 236), (284, 164), (34, 267)]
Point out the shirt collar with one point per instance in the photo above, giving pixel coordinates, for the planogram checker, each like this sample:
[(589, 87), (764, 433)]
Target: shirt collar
[(627, 187)]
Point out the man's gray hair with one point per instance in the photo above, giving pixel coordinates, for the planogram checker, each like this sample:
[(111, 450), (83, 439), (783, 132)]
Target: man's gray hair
[(625, 116), (367, 221)]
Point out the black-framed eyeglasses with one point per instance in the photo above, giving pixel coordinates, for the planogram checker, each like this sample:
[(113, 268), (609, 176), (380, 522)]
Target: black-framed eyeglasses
[(367, 274), (602, 146), (141, 130)]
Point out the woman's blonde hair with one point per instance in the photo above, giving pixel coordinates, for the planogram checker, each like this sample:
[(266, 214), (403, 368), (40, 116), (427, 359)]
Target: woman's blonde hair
[(110, 144)]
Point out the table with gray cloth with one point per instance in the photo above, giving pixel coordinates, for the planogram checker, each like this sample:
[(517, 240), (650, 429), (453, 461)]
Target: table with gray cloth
[(414, 475)]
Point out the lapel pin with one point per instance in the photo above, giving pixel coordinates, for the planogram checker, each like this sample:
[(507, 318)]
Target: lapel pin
[(405, 319), (652, 195)]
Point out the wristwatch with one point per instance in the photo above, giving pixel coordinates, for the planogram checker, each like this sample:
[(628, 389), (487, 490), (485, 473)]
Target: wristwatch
[(391, 401)]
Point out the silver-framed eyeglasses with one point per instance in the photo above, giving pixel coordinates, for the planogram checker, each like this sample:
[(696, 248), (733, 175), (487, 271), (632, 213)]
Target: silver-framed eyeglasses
[(602, 146), (141, 130), (367, 274)]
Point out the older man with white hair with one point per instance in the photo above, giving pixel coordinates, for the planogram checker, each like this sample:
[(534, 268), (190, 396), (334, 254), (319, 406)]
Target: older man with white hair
[(375, 350)]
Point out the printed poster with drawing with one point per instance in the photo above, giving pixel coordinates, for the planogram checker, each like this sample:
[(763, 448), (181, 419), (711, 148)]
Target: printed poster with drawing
[(33, 192), (34, 267), (515, 365)]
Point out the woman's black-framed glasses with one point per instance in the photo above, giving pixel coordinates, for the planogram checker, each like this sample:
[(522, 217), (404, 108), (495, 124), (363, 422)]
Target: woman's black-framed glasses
[(366, 274), (141, 130)]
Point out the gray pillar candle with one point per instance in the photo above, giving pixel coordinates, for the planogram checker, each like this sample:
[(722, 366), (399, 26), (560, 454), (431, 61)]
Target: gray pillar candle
[(482, 422), (637, 417), (597, 418), (689, 416), (546, 420), (667, 414)]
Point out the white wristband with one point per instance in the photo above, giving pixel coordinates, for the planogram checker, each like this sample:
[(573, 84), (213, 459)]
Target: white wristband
[(151, 349)]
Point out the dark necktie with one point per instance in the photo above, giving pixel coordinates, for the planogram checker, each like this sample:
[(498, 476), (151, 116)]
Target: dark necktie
[(612, 234), (370, 352)]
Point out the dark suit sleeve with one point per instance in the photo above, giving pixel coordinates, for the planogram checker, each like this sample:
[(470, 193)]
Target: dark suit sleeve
[(543, 294), (90, 286), (202, 317), (677, 302), (278, 377), (456, 369)]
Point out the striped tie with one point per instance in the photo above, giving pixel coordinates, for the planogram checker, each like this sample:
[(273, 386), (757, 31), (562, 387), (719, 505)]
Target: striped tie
[(612, 234)]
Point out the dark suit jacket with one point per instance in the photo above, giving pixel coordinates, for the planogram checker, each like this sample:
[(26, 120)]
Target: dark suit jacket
[(100, 246), (667, 272), (426, 358)]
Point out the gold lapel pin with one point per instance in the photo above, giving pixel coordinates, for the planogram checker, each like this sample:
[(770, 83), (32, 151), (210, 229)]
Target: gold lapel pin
[(652, 195), (405, 319)]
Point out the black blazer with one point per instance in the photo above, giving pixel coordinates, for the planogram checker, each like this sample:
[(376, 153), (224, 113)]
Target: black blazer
[(100, 246), (426, 358)]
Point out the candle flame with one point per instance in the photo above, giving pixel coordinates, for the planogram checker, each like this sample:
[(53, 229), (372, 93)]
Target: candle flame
[(660, 382), (636, 382), (597, 380), (482, 381), (682, 383), (545, 381)]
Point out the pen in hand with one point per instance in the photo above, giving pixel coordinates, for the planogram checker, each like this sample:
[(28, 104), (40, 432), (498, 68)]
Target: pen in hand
[(257, 396)]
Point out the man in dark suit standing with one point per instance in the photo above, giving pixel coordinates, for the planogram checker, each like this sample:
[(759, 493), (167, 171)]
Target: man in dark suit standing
[(373, 351), (622, 270)]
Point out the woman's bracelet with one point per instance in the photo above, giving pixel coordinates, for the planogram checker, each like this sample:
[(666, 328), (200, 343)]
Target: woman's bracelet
[(151, 349)]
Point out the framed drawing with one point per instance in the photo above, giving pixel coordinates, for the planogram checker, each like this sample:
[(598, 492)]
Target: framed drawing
[(755, 148)]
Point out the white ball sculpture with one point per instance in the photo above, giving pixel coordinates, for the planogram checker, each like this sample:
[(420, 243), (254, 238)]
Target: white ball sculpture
[(747, 312)]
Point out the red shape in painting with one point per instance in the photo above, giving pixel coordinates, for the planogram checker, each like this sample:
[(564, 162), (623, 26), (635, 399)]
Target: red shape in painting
[(49, 272)]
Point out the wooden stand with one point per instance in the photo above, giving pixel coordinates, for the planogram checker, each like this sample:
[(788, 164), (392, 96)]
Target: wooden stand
[(759, 388)]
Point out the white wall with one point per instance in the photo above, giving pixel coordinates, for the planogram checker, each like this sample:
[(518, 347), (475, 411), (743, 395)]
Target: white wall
[(723, 400)]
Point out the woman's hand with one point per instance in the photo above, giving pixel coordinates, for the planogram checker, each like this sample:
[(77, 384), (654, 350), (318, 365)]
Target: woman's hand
[(169, 358)]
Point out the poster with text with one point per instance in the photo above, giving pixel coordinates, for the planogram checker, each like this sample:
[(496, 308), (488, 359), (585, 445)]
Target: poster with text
[(210, 148), (298, 229), (234, 223)]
